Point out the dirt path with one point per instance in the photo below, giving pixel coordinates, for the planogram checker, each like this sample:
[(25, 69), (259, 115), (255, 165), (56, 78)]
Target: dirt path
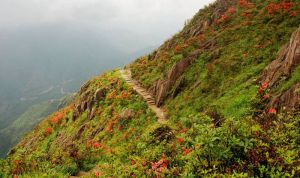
[(126, 74)]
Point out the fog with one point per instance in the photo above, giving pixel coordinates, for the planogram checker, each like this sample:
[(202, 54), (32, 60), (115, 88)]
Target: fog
[(50, 46), (133, 22)]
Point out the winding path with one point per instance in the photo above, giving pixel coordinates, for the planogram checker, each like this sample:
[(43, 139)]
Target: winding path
[(126, 74)]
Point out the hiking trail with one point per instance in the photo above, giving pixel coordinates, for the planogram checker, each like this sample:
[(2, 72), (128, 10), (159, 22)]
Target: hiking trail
[(126, 74)]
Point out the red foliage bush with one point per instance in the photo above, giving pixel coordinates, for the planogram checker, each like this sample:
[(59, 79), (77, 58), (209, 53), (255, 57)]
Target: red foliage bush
[(243, 3), (180, 47), (98, 174), (124, 95), (247, 14), (180, 140), (184, 130), (286, 5), (96, 145), (110, 126), (293, 14), (57, 117), (231, 10), (272, 111), (48, 131), (160, 165), (186, 151), (274, 8), (263, 86), (266, 96)]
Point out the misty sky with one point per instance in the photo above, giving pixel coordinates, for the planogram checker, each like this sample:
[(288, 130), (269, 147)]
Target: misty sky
[(147, 22)]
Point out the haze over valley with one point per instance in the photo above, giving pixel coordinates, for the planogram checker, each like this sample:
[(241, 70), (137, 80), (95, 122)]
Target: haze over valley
[(49, 48)]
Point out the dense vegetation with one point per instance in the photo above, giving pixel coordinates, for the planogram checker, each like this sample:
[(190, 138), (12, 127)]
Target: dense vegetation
[(219, 123)]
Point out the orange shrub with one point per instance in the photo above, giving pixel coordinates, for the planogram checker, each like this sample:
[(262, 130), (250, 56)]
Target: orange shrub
[(57, 117), (110, 126), (180, 47), (112, 95), (48, 131), (96, 145)]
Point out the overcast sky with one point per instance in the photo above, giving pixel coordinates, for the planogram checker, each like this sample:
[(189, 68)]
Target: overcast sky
[(149, 20)]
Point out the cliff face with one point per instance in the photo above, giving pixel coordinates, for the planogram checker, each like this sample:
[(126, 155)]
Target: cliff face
[(228, 84)]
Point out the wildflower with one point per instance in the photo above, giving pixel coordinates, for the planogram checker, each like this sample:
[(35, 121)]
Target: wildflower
[(183, 130), (124, 95), (110, 126), (160, 165), (263, 86), (98, 174), (223, 17), (15, 176), (272, 111), (286, 6), (273, 8), (243, 3), (56, 119), (266, 96), (231, 10), (186, 151), (96, 145), (293, 14), (180, 140), (133, 162), (48, 131)]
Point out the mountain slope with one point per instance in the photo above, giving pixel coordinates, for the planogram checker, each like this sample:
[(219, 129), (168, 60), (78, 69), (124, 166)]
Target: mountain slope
[(228, 84), (13, 133)]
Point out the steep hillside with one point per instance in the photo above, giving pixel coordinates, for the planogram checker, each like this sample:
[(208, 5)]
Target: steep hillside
[(228, 85), (13, 133)]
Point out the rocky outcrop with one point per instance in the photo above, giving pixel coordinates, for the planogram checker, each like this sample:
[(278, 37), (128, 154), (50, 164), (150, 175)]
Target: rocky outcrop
[(99, 94), (87, 101), (288, 101), (162, 87), (195, 28), (289, 58), (279, 70), (80, 131), (200, 25)]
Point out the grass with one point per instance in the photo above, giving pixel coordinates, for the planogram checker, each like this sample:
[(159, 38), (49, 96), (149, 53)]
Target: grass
[(211, 131)]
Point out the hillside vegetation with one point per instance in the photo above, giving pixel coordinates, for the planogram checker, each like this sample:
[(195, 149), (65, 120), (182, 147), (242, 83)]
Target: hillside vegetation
[(229, 85)]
